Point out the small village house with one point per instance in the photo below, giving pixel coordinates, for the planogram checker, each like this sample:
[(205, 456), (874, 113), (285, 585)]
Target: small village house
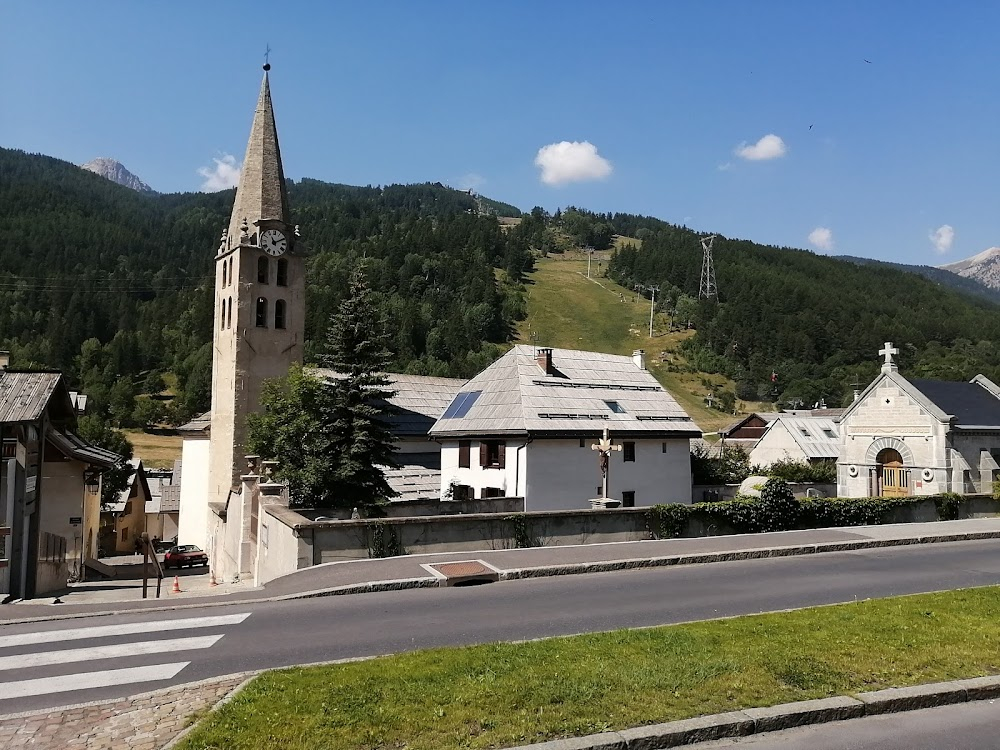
[(799, 436), (526, 427)]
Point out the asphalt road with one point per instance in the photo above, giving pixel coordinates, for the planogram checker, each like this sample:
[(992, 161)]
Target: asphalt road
[(966, 726), (108, 663)]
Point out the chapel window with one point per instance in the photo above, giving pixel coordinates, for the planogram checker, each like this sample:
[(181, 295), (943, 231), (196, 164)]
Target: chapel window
[(279, 313), (263, 270), (224, 277), (222, 315), (282, 272), (229, 313), (261, 312)]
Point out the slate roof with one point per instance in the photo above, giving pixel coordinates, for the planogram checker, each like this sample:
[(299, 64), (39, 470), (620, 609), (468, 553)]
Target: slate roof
[(972, 404), (817, 437), (414, 483), (587, 392), (73, 446), (419, 400), (201, 423), (24, 396)]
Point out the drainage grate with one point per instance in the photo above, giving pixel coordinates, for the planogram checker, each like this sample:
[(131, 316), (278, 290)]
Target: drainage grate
[(463, 572)]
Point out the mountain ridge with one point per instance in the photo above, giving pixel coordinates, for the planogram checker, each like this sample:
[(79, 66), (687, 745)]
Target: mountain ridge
[(114, 170)]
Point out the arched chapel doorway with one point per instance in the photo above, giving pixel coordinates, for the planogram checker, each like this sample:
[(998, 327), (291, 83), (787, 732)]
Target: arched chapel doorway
[(893, 479)]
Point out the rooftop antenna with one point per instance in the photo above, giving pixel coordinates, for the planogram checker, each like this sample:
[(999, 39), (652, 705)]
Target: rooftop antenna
[(707, 289)]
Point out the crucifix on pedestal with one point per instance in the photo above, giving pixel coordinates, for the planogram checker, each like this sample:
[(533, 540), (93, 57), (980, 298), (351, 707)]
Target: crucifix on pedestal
[(605, 447)]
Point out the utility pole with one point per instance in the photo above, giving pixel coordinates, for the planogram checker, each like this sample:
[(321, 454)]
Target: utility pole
[(707, 288), (652, 302)]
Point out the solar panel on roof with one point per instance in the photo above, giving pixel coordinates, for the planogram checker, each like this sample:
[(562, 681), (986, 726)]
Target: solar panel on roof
[(461, 405)]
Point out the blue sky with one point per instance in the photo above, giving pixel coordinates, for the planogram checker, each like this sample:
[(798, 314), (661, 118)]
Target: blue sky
[(654, 101)]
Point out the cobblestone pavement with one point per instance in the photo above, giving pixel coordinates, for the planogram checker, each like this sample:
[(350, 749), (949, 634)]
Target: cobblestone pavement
[(143, 722)]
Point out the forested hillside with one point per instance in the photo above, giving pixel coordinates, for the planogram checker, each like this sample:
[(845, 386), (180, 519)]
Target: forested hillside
[(114, 287), (813, 322)]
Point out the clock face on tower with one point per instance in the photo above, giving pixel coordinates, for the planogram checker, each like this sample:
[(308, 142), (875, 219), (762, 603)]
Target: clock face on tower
[(273, 242)]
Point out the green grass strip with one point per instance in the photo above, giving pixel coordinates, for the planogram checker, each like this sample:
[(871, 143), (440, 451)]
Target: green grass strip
[(498, 695)]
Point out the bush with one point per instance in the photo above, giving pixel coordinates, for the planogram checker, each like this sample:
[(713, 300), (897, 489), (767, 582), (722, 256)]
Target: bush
[(731, 466), (821, 472), (777, 509)]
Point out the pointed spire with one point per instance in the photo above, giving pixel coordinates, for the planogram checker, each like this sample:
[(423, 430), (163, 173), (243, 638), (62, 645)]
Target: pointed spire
[(261, 193)]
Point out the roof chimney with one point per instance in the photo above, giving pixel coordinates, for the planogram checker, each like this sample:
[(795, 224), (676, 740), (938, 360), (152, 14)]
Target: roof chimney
[(639, 357), (543, 357), (4, 360)]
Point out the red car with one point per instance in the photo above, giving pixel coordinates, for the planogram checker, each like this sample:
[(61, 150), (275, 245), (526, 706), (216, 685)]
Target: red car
[(184, 554)]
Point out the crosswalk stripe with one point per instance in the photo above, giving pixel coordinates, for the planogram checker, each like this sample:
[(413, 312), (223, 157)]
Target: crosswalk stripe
[(122, 650), (89, 680), (131, 628)]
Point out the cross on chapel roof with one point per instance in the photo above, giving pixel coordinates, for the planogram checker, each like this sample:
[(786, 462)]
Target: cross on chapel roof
[(887, 352)]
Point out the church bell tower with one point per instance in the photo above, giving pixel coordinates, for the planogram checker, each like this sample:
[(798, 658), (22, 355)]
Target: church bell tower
[(259, 299)]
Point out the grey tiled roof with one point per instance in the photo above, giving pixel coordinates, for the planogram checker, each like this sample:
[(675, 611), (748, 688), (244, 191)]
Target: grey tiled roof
[(818, 437), (418, 401), (970, 403), (414, 483), (517, 397), (199, 424)]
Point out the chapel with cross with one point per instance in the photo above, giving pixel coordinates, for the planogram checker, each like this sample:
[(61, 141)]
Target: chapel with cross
[(904, 437)]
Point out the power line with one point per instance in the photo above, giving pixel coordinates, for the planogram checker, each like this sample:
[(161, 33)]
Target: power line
[(707, 288)]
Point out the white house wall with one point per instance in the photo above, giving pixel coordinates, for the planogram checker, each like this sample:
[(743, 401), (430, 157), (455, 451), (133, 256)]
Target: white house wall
[(62, 501), (192, 524), (776, 444), (558, 474), (890, 418), (564, 476)]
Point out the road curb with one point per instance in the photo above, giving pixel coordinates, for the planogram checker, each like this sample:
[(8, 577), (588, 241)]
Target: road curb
[(544, 571), (785, 716)]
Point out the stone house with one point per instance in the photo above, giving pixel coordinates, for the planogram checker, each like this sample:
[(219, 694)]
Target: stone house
[(804, 437), (919, 437)]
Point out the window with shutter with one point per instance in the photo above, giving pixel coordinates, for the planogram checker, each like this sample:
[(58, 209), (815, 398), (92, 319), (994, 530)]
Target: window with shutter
[(464, 449), (491, 454), (484, 459)]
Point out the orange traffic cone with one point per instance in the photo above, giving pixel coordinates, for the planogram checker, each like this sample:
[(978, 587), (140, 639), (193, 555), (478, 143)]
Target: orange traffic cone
[(177, 586), (212, 581)]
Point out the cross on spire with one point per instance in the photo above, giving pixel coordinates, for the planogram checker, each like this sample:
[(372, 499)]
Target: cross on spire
[(888, 351)]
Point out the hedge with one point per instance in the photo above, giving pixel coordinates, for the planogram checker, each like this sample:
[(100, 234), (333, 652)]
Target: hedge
[(777, 509)]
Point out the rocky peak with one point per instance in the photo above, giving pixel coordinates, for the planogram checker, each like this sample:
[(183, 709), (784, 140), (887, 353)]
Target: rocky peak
[(114, 170), (984, 267)]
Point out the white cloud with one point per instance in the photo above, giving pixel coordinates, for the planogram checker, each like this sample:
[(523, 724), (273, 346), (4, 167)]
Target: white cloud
[(942, 238), (768, 147), (576, 161), (725, 167), (225, 174), (822, 238)]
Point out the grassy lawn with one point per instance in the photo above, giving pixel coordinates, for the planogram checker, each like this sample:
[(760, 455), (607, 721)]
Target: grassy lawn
[(570, 311), (157, 449), (499, 695)]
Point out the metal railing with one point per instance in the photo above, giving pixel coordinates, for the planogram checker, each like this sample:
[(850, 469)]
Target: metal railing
[(148, 551)]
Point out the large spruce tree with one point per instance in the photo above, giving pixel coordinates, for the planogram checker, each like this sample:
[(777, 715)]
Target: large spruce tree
[(330, 436)]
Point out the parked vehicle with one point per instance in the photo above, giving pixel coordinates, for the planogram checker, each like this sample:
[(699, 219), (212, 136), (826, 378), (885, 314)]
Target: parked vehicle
[(184, 554)]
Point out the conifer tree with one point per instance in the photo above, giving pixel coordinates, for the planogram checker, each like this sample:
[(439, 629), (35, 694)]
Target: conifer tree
[(356, 350), (330, 438)]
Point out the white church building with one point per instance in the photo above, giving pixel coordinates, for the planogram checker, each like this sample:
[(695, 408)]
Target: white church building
[(526, 426), (919, 437)]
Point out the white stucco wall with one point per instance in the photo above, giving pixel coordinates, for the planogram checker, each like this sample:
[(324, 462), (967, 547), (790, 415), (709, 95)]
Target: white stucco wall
[(192, 524), (776, 444), (62, 499), (558, 474), (280, 550)]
